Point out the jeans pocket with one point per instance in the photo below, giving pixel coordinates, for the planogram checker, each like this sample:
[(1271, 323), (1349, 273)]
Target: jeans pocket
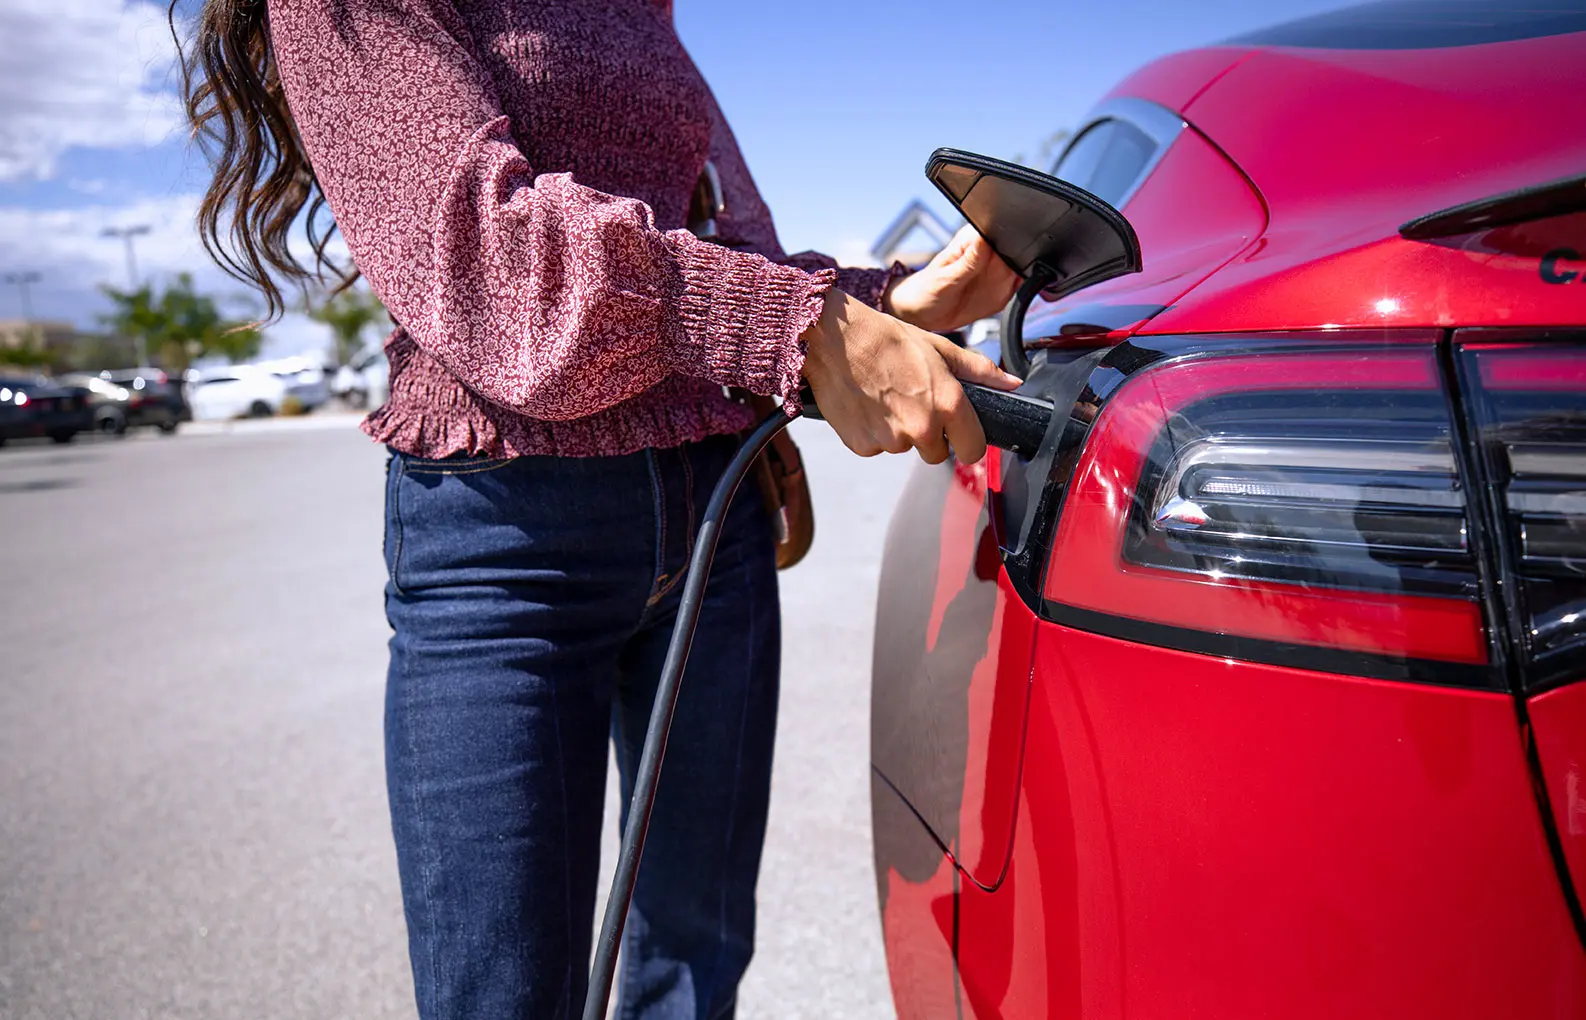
[(457, 464), (391, 542), (423, 493)]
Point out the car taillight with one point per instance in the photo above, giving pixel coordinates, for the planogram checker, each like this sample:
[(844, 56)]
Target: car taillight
[(1528, 405), (1290, 501)]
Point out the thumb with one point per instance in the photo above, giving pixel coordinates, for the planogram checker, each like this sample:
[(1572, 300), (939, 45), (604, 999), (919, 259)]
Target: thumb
[(972, 366)]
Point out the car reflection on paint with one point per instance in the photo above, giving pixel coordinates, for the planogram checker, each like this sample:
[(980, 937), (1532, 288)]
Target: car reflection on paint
[(1266, 699)]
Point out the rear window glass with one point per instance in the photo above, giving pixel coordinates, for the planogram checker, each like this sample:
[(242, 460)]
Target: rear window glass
[(1425, 24), (1107, 159)]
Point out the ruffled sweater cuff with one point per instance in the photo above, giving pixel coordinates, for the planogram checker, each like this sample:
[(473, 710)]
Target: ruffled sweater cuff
[(742, 318)]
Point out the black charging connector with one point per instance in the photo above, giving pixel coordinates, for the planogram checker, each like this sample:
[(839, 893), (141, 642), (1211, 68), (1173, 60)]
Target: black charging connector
[(1012, 421)]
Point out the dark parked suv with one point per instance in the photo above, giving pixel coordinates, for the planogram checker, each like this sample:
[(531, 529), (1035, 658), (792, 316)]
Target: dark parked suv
[(133, 397), (38, 407)]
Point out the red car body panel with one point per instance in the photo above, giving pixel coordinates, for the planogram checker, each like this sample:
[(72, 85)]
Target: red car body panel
[(972, 721), (1174, 81), (1372, 140), (1071, 823), (1192, 842), (919, 905), (1558, 725), (1181, 243)]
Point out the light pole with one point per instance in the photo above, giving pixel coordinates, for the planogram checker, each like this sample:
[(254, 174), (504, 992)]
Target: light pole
[(23, 281), (128, 235)]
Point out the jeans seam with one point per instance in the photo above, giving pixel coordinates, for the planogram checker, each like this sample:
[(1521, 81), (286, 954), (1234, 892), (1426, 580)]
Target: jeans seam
[(665, 589), (457, 471), (426, 866), (567, 843), (419, 466), (688, 511), (629, 978), (658, 489), (737, 777)]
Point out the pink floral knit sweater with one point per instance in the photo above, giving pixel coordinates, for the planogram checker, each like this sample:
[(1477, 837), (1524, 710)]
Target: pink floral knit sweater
[(513, 177)]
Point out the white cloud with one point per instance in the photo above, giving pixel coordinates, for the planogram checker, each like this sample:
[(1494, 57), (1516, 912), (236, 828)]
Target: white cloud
[(68, 246), (68, 250), (81, 73)]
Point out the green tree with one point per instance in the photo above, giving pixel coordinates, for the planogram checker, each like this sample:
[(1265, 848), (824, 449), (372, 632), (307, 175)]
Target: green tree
[(96, 351), (349, 314), (179, 325), (29, 354)]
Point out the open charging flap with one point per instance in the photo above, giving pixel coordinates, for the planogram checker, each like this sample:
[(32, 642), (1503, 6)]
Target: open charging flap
[(1059, 239), (1041, 226)]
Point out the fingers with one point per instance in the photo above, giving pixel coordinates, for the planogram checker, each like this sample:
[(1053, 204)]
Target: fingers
[(942, 422), (970, 255), (973, 366), (862, 444), (853, 427), (887, 387), (929, 438), (976, 253), (962, 244), (937, 427), (963, 429)]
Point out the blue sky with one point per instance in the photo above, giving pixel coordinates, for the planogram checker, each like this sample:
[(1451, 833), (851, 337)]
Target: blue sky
[(836, 105)]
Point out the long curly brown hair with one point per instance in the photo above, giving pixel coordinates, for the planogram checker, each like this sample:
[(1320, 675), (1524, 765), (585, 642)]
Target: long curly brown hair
[(262, 178)]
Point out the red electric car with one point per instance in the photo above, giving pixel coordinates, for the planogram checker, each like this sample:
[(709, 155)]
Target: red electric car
[(1267, 697)]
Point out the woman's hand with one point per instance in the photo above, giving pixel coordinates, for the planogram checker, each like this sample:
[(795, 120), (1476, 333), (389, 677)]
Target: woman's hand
[(885, 385), (966, 281)]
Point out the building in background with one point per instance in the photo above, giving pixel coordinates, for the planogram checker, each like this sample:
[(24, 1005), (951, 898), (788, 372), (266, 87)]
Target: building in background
[(57, 346), (913, 237), (39, 334), (917, 234)]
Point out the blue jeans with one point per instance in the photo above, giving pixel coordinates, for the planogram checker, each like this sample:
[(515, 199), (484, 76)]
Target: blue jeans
[(532, 600)]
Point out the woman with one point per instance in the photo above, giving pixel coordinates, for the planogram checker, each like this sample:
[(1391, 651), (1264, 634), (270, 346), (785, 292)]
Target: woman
[(512, 177)]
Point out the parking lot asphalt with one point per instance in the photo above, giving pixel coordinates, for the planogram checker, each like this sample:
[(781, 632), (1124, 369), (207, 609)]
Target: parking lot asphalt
[(192, 811)]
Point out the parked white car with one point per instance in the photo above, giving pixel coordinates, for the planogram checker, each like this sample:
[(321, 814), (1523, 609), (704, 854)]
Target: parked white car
[(305, 379), (366, 382), (240, 391)]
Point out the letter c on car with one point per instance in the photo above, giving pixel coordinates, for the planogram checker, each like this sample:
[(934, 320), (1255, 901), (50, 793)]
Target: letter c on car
[(1550, 261)]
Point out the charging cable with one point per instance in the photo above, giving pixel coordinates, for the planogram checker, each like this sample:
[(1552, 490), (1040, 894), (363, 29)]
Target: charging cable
[(1012, 421), (603, 973)]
